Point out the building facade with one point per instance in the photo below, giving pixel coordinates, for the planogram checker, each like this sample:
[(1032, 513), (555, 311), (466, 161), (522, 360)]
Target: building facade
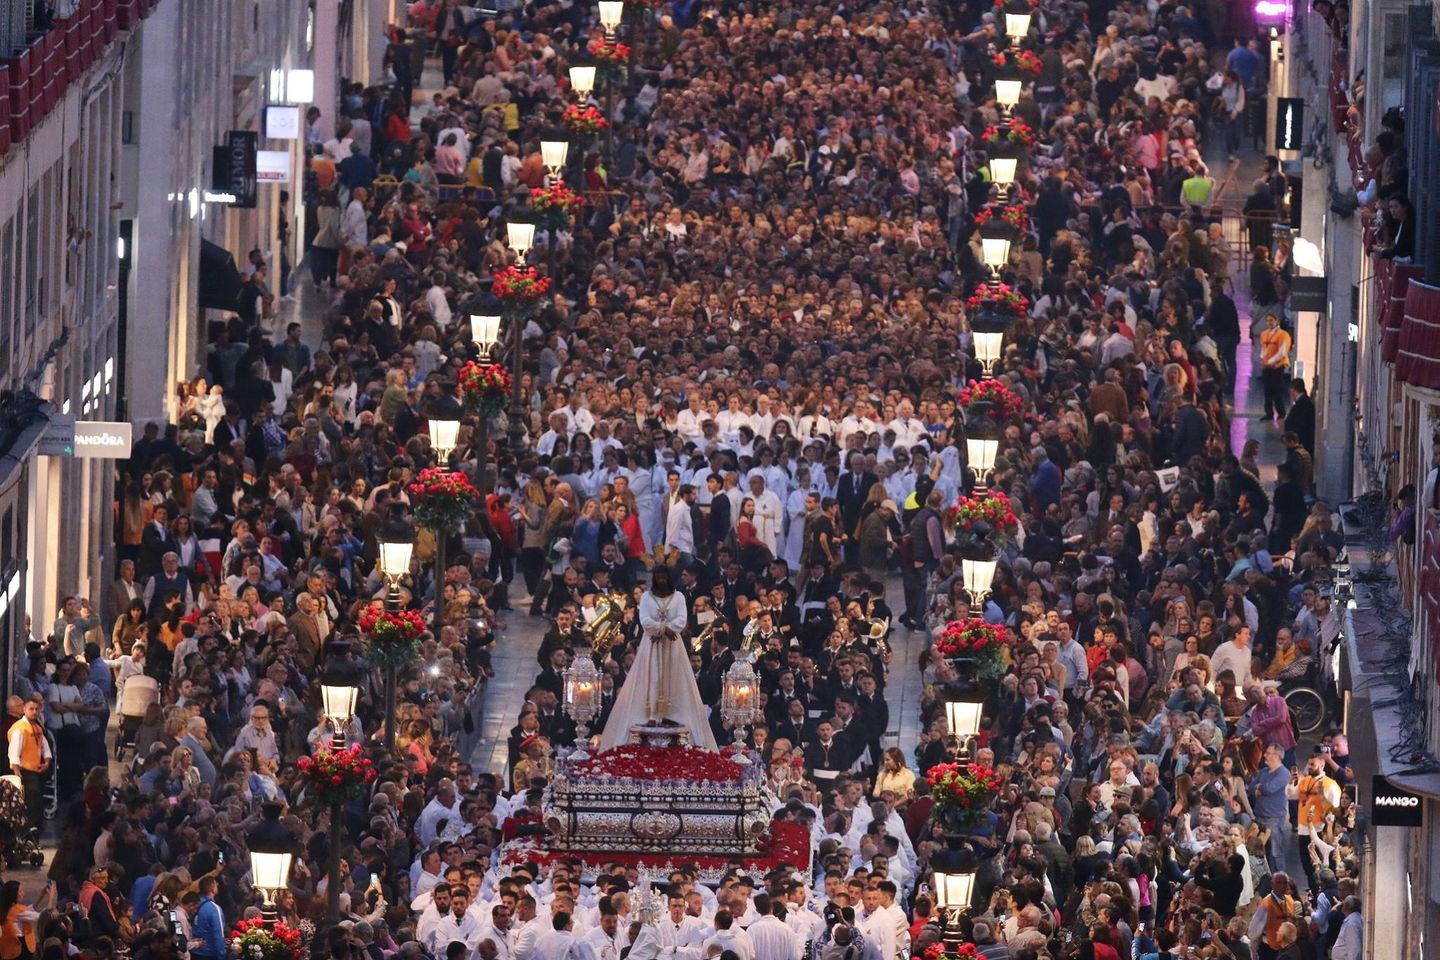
[(1370, 84), (110, 227)]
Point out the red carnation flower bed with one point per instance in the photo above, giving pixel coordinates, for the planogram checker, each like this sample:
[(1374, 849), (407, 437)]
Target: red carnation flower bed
[(660, 763)]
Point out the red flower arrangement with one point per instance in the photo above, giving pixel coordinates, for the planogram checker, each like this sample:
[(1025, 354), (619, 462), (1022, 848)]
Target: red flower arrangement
[(936, 951), (391, 635), (660, 763), (1014, 214), (1023, 60), (963, 951), (337, 776), (1005, 297), (442, 499), (610, 53), (962, 794), (1002, 4), (967, 637), (483, 384), (1016, 131), (994, 512), (584, 120), (558, 199), (999, 400), (520, 285), (253, 940)]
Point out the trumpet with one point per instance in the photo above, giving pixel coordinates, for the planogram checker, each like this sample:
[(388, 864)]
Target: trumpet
[(603, 631)]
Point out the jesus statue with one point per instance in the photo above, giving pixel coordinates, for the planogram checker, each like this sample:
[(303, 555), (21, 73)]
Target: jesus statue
[(661, 686)]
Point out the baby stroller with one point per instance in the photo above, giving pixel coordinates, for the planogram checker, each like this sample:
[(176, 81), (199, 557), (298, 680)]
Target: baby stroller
[(16, 844)]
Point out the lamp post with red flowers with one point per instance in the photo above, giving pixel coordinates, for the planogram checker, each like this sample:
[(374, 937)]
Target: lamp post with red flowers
[(522, 293), (396, 544), (272, 850), (334, 777), (443, 500)]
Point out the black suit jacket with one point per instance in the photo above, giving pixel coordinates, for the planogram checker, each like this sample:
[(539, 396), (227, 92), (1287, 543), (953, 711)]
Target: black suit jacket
[(153, 546), (719, 520), (851, 496)]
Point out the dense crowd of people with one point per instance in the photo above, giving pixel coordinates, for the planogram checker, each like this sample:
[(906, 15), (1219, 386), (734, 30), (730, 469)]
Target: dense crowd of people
[(748, 377)]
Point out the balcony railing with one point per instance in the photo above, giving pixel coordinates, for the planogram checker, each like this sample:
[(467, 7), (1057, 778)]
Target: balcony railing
[(41, 57)]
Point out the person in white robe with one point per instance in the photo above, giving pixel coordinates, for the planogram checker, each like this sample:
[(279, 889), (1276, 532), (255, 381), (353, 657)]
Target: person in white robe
[(661, 685)]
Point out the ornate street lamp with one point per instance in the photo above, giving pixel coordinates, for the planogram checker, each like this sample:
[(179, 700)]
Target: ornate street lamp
[(272, 850), (738, 697), (339, 689), (979, 575), (1008, 84), (485, 331), (987, 333), (995, 238), (981, 453), (554, 149), (611, 13), (582, 80), (520, 235), (582, 697), (444, 437), (953, 891), (1004, 163), (395, 551), (963, 711), (1017, 20)]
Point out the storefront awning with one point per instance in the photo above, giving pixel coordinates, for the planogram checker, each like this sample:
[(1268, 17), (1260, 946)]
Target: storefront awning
[(1417, 360)]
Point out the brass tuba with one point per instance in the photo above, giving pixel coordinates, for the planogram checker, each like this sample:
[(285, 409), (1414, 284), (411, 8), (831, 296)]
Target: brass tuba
[(604, 630), (701, 640), (749, 637)]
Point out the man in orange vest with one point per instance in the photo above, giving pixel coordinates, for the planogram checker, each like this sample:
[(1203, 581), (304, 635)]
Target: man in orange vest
[(1317, 796), (1275, 911), (30, 760)]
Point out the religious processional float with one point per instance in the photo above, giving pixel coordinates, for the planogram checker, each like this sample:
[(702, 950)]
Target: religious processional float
[(655, 792)]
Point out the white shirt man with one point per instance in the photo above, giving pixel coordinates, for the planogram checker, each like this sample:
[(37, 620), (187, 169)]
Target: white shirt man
[(457, 924), (578, 419), (879, 929), (769, 514), (563, 944), (689, 422), (445, 806), (773, 940), (681, 935), (504, 939), (730, 937), (435, 907), (856, 422), (1234, 655), (731, 419), (908, 430), (607, 938)]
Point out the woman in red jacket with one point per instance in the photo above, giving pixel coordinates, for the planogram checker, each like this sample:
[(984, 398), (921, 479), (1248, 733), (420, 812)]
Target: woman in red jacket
[(497, 506)]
